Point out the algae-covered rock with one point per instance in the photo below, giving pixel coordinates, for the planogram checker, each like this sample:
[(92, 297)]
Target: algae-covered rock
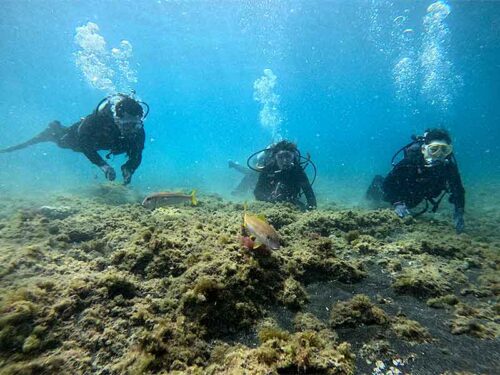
[(280, 353), (356, 311), (173, 344), (16, 323), (422, 281), (31, 344), (473, 327), (442, 302), (114, 289), (476, 322), (294, 295), (376, 349), (308, 322), (56, 212), (375, 223), (410, 330), (311, 266), (118, 283)]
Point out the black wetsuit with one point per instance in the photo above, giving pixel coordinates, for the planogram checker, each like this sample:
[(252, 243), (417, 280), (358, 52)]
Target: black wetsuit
[(411, 181), (92, 133), (284, 186)]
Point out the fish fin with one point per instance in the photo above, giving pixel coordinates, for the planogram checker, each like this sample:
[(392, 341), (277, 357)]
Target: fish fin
[(262, 217), (194, 201), (244, 212), (257, 245)]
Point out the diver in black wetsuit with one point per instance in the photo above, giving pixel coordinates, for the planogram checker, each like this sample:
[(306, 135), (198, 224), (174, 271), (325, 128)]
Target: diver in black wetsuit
[(116, 125), (282, 178), (427, 172)]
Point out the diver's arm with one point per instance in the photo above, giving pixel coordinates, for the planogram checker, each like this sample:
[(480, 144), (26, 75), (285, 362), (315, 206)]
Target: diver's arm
[(134, 156), (456, 187), (261, 192), (307, 189), (94, 156), (135, 152), (393, 185)]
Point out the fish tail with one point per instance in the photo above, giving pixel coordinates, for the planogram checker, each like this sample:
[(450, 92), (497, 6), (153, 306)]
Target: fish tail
[(194, 201)]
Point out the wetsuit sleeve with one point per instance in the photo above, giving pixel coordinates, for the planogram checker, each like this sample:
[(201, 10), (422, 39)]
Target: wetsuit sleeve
[(395, 185), (306, 188), (94, 157), (135, 152), (86, 133), (457, 190), (261, 191)]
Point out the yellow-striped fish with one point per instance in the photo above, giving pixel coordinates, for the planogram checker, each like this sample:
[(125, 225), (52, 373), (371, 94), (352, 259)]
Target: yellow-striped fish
[(166, 198), (259, 232)]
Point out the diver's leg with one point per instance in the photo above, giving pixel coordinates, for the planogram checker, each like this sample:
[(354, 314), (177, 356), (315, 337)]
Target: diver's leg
[(53, 133)]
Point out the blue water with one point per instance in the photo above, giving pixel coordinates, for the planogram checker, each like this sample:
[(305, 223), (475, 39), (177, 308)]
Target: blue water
[(196, 63)]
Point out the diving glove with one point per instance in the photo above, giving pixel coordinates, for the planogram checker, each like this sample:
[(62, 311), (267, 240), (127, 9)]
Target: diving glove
[(458, 220), (127, 175), (401, 210), (109, 172)]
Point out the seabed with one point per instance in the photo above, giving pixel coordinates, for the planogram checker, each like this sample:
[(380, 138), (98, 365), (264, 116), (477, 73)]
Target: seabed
[(101, 285)]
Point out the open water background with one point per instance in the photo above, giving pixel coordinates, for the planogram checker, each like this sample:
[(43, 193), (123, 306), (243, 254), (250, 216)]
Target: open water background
[(349, 81)]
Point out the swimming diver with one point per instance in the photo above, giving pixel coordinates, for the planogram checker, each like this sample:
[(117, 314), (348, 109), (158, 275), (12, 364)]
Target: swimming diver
[(282, 177), (115, 125), (427, 172)]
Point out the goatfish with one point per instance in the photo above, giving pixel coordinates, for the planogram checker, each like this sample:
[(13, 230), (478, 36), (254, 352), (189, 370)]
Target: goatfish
[(258, 232), (165, 198)]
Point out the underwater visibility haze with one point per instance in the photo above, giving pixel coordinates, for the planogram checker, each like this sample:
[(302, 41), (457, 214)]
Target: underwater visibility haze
[(93, 281)]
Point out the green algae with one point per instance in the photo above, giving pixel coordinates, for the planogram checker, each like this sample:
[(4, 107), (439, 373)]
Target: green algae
[(358, 310), (410, 330), (426, 281), (308, 322), (280, 352), (442, 302), (293, 296), (121, 289)]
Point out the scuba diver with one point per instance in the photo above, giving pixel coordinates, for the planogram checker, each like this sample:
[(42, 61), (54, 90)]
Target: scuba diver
[(115, 125), (428, 171), (282, 177)]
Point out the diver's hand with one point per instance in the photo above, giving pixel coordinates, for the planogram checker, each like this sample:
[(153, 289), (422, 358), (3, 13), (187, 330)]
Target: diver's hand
[(401, 210), (109, 172), (127, 175), (310, 207), (458, 220)]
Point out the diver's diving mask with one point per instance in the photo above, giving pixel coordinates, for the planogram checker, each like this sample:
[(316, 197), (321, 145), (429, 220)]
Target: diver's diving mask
[(436, 152), (285, 159), (129, 123)]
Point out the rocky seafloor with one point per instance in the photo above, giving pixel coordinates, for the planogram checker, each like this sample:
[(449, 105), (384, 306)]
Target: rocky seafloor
[(101, 285)]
